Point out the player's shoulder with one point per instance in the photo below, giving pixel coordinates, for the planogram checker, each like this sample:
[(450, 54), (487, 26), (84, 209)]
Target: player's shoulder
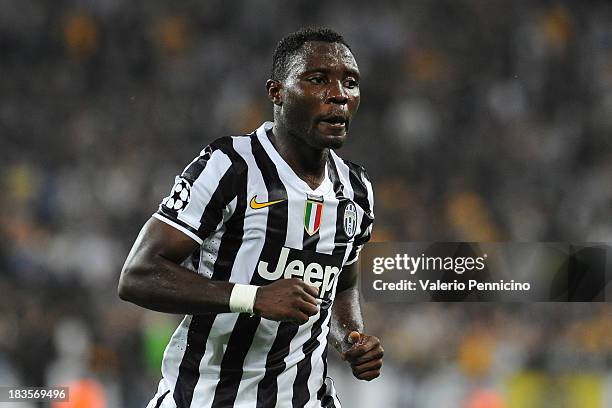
[(357, 172), (357, 176), (219, 153), (227, 144)]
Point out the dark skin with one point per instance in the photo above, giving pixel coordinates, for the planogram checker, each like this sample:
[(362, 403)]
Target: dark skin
[(313, 108), (363, 352), (322, 86)]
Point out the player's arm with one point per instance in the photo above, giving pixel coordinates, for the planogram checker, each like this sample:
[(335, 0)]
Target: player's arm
[(362, 351), (153, 278)]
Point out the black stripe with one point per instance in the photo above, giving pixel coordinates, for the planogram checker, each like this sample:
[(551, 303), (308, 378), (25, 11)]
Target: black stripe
[(195, 258), (234, 227), (360, 191), (276, 226), (233, 359), (301, 393), (226, 190), (334, 176), (222, 195), (276, 230), (193, 171), (267, 389), (322, 390), (244, 330), (189, 370), (200, 326), (231, 184), (340, 242), (161, 399), (328, 402), (356, 176), (310, 241), (213, 213)]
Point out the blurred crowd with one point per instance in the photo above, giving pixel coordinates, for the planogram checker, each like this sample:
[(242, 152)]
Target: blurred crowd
[(480, 121)]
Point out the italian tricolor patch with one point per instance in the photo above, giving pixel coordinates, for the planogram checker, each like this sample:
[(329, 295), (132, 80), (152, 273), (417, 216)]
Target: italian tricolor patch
[(312, 214)]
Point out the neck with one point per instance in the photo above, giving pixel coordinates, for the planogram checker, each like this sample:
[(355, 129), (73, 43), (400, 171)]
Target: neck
[(307, 162)]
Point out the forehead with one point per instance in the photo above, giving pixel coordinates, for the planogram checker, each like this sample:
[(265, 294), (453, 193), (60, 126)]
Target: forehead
[(320, 54)]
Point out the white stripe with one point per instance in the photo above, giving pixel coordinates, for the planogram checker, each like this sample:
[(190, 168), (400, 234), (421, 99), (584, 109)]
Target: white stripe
[(296, 354), (343, 173), (294, 239), (178, 227), (316, 360), (255, 221), (204, 187), (209, 251), (254, 367), (333, 393), (210, 365), (295, 216), (370, 194), (255, 226), (316, 375), (348, 262), (327, 229), (173, 355), (313, 215)]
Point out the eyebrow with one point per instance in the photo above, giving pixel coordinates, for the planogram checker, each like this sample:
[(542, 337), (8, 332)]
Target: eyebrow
[(350, 71)]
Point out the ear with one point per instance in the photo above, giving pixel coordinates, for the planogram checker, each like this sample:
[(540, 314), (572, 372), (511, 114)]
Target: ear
[(274, 91)]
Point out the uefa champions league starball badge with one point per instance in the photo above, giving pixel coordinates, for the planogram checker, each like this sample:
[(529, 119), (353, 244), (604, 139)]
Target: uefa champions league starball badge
[(179, 196)]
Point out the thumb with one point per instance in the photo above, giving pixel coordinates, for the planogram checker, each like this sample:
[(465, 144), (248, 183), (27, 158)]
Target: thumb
[(354, 337)]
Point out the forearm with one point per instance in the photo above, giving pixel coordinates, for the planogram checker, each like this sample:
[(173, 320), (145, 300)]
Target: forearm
[(346, 317), (164, 286), (153, 278)]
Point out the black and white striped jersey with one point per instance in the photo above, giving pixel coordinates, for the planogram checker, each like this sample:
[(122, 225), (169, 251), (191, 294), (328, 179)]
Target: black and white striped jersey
[(256, 222)]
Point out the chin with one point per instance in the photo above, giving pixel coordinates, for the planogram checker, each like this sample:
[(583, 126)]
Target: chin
[(326, 141), (336, 143)]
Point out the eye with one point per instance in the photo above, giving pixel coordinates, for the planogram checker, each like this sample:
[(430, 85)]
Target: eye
[(317, 80), (351, 83)]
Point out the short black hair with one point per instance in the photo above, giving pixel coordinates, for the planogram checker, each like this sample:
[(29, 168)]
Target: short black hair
[(292, 43)]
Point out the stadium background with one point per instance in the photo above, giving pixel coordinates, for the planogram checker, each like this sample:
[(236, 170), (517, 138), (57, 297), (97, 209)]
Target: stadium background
[(480, 120)]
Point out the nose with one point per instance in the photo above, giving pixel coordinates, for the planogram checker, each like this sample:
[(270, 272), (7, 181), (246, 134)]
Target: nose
[(336, 93)]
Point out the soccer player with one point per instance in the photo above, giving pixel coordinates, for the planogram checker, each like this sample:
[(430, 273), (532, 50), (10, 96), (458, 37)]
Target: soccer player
[(257, 244)]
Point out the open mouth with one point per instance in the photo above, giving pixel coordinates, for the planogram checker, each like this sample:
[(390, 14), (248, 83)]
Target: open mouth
[(334, 122)]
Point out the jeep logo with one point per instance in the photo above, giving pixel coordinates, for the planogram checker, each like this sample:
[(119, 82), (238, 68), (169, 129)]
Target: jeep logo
[(313, 273)]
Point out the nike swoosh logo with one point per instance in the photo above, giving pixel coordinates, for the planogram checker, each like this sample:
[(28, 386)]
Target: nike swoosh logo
[(256, 206)]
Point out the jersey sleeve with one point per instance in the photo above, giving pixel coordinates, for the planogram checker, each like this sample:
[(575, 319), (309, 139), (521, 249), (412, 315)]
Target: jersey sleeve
[(199, 199), (364, 199)]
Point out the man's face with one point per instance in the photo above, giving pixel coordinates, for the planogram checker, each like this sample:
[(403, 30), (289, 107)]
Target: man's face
[(320, 94)]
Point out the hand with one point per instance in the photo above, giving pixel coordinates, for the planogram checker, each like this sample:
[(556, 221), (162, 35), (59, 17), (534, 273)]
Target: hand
[(365, 355), (286, 300)]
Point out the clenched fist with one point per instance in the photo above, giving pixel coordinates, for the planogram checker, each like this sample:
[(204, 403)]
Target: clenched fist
[(364, 353), (287, 300)]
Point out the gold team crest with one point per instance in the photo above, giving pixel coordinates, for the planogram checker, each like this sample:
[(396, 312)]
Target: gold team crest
[(313, 212)]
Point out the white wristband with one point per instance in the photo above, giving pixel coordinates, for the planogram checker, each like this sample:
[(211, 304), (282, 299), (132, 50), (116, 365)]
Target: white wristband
[(242, 299)]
